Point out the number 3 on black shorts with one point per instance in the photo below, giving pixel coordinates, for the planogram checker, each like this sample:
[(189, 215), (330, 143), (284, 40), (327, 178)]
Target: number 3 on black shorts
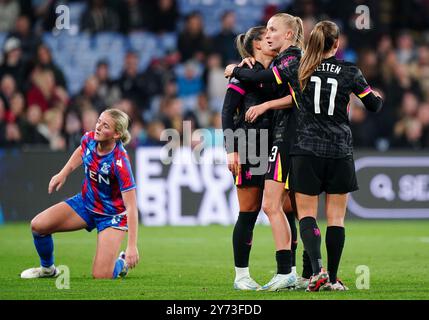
[(273, 154)]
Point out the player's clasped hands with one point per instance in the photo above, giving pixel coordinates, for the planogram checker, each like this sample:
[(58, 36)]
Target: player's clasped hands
[(56, 182), (132, 256)]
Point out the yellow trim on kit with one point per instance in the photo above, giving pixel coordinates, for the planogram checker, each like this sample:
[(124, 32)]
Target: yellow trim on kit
[(293, 95), (277, 76), (287, 182)]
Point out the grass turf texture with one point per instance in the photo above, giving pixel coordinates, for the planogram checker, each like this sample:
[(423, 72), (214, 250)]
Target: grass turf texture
[(197, 263)]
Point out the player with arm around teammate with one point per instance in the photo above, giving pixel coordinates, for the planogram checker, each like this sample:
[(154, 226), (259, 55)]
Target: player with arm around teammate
[(322, 154), (285, 35), (240, 96), (107, 202)]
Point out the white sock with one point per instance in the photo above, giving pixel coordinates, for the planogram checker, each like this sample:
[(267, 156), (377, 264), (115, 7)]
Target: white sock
[(241, 273), (294, 269)]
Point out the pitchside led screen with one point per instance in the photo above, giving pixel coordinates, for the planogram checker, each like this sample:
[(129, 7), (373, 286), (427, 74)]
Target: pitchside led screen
[(190, 192)]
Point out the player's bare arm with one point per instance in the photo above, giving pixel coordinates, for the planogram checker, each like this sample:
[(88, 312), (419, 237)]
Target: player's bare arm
[(131, 253), (254, 112)]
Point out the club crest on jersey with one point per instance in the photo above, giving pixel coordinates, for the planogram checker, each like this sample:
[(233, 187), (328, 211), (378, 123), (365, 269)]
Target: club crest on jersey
[(105, 168)]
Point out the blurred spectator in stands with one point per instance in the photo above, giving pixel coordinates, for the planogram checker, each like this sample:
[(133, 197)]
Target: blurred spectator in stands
[(213, 135), (420, 70), (44, 61), (345, 12), (192, 41), (171, 111), (155, 77), (89, 119), (215, 81), (408, 111), (308, 24), (45, 93), (404, 81), (302, 9), (363, 126), (203, 113), (384, 46), (12, 62), (2, 123), (108, 90), (138, 133), (7, 89), (89, 97), (269, 11), (223, 42), (128, 107), (28, 39), (405, 52), (165, 16), (132, 83), (9, 11), (51, 129), (368, 64), (73, 130), (131, 15), (99, 17), (16, 111), (12, 135), (44, 14), (344, 52), (189, 83), (411, 137), (152, 135), (423, 116), (32, 134)]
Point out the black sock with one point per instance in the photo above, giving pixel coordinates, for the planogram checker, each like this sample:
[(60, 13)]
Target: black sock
[(310, 235), (335, 237), (242, 238), (294, 235), (307, 270), (284, 261)]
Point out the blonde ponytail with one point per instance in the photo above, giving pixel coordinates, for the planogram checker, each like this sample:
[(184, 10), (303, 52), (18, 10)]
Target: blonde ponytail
[(239, 43), (322, 39)]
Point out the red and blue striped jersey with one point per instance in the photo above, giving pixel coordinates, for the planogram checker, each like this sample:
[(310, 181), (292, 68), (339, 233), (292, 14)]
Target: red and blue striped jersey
[(105, 177)]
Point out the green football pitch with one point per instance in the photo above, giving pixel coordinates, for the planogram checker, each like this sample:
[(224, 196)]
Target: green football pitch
[(197, 263)]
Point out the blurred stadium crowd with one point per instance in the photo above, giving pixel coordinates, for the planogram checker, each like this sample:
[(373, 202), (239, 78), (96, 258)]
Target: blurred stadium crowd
[(162, 62)]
